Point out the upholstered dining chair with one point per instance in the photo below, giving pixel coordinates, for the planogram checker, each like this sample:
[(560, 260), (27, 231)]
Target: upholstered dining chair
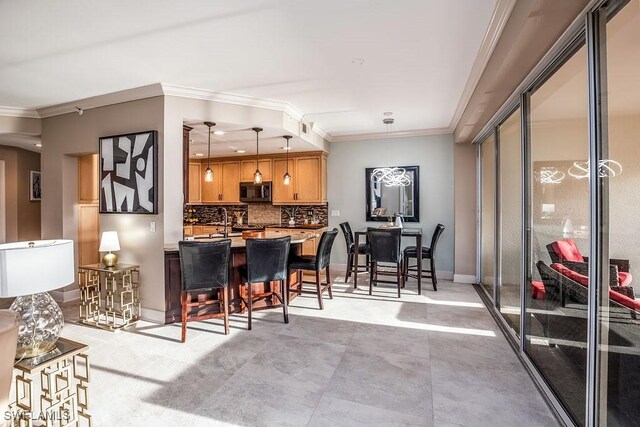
[(317, 263), (8, 342), (363, 248), (267, 261), (385, 249), (427, 253), (205, 269)]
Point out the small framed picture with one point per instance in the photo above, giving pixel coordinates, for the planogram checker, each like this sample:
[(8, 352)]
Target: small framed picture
[(35, 186)]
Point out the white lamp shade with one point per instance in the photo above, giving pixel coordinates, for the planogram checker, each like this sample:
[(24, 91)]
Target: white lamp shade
[(109, 242), (25, 270)]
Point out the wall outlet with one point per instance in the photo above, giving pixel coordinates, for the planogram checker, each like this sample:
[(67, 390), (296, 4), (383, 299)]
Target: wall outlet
[(152, 226), (335, 212)]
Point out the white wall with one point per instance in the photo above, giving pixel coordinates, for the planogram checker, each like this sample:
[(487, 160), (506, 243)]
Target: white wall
[(346, 188)]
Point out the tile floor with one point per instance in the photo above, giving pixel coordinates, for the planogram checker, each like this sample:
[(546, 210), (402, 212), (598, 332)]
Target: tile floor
[(431, 360)]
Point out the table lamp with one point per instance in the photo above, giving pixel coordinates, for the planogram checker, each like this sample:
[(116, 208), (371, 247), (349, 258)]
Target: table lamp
[(27, 271), (109, 242)]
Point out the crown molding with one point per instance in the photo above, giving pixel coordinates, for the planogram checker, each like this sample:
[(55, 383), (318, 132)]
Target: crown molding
[(385, 135), (19, 112), (498, 21), (119, 97)]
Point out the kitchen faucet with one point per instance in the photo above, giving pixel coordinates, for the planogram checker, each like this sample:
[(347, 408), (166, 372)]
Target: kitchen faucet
[(225, 233)]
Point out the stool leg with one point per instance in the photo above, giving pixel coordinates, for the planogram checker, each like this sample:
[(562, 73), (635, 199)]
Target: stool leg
[(349, 267), (285, 298), (185, 296), (434, 279), (225, 302), (372, 267), (329, 284), (398, 278), (319, 289), (249, 305)]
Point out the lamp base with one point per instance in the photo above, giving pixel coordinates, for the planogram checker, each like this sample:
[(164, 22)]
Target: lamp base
[(40, 323), (110, 260)]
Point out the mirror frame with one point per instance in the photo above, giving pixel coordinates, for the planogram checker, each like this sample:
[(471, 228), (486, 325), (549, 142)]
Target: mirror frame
[(416, 194)]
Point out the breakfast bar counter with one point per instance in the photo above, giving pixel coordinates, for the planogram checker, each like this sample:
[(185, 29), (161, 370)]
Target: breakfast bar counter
[(237, 259)]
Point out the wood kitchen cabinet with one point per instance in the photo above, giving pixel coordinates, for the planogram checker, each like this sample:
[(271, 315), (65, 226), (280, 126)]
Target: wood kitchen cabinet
[(195, 178), (211, 190), (88, 180), (230, 182), (283, 193), (308, 180), (248, 168)]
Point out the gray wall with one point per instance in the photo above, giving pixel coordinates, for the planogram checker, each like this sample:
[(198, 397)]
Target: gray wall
[(434, 155)]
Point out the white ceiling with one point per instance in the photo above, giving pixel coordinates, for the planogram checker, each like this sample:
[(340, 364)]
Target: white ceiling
[(417, 54)]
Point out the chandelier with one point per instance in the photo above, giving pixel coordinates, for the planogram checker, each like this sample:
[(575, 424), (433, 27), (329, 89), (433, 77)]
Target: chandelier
[(391, 177)]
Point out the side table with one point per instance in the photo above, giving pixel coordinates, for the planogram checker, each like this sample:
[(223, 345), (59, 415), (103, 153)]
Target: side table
[(120, 285), (52, 389)]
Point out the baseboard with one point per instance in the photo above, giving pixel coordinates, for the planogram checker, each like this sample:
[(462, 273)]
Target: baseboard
[(154, 316), (464, 278), (65, 296)]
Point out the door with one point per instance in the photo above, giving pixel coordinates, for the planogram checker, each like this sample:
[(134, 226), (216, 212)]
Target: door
[(88, 185), (88, 234), (307, 181), (283, 193), (194, 182), (211, 190), (230, 182)]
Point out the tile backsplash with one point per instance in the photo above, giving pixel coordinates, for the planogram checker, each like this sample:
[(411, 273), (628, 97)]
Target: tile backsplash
[(257, 213)]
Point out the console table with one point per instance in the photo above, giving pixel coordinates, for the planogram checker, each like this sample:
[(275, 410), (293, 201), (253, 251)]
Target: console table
[(120, 285), (53, 388)]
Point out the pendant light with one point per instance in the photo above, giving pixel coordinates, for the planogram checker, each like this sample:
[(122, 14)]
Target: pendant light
[(208, 173), (286, 179), (257, 176)]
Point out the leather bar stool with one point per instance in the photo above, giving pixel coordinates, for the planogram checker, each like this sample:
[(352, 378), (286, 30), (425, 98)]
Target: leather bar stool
[(363, 248), (266, 262), (317, 263), (385, 249), (8, 343), (427, 253), (205, 270)]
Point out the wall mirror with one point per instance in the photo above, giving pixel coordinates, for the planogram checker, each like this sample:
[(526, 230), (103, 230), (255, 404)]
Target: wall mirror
[(392, 190)]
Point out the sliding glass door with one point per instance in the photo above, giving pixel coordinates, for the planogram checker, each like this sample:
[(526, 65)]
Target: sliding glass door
[(487, 214)]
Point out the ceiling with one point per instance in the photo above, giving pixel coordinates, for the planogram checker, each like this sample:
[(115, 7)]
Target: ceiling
[(239, 137), (342, 63)]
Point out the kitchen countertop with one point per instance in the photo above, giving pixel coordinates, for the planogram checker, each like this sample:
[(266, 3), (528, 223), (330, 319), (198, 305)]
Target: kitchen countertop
[(239, 242), (283, 225)]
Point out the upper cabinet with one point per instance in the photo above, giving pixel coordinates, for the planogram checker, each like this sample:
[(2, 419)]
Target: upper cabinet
[(308, 185)]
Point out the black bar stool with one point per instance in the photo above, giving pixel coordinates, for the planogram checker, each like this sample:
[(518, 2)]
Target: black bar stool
[(385, 248), (266, 262), (363, 248), (317, 263), (427, 253), (204, 268)]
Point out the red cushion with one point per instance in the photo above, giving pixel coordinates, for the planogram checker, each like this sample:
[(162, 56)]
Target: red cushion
[(576, 277), (537, 290), (624, 300), (567, 249), (625, 278)]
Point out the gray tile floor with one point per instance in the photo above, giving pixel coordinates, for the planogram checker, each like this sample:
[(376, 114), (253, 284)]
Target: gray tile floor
[(433, 360)]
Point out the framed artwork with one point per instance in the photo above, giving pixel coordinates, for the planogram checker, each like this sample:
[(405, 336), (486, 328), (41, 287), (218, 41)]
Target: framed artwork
[(129, 173), (35, 186)]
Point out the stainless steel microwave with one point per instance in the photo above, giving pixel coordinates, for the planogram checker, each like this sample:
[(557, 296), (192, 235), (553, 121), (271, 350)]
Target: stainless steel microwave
[(250, 192)]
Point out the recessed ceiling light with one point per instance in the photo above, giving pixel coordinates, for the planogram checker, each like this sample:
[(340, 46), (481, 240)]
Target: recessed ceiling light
[(388, 113), (199, 154), (241, 151), (286, 148), (38, 145), (219, 132), (357, 61)]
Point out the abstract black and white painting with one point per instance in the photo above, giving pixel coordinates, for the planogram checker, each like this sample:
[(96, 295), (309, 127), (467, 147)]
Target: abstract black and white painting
[(128, 173)]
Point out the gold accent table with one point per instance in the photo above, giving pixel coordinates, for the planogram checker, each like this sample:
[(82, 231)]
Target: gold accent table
[(63, 388), (120, 284)]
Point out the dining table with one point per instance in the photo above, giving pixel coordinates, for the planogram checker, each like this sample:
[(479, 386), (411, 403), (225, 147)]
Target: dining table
[(413, 232)]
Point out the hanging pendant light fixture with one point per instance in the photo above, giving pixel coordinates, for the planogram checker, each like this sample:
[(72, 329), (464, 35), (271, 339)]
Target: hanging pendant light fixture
[(257, 176), (286, 179), (208, 173)]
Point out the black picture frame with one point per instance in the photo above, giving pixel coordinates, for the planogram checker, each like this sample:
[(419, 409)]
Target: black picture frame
[(122, 194), (416, 194)]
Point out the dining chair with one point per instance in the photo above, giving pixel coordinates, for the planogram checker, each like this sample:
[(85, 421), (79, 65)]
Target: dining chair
[(205, 272), (363, 248), (427, 253), (317, 263), (267, 261), (385, 249)]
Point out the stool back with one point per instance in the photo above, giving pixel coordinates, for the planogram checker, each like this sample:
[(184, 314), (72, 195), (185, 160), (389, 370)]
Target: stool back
[(323, 254), (204, 265), (267, 259), (434, 239), (385, 244), (348, 235)]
